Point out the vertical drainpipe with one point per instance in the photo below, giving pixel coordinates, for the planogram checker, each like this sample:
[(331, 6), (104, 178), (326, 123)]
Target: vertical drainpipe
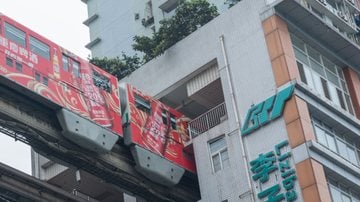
[(236, 113)]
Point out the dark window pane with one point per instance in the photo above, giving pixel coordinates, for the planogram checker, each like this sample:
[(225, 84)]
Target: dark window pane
[(341, 99), (76, 68), (101, 81), (325, 88), (9, 62), (15, 34), (142, 104), (301, 71), (39, 48), (45, 81), (18, 67), (37, 77), (65, 60), (164, 117), (173, 121)]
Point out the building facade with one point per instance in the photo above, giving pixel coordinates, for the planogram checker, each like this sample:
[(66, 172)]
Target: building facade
[(272, 88), (254, 137), (113, 24)]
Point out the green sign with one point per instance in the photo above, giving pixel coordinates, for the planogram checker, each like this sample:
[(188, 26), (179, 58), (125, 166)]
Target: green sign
[(270, 162), (270, 109)]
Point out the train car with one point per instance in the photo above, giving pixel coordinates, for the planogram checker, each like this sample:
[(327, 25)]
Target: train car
[(157, 135), (84, 93), (87, 104)]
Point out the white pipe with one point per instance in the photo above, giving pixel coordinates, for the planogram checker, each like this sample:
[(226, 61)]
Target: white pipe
[(236, 113)]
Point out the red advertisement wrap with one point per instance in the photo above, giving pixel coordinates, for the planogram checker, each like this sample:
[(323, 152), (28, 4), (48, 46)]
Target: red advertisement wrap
[(149, 131), (49, 78)]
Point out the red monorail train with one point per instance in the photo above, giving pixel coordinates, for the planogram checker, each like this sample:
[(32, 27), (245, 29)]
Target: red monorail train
[(88, 101)]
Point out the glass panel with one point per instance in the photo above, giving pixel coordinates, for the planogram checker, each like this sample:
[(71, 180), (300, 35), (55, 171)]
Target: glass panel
[(313, 54), (325, 88), (317, 67), (331, 142), (37, 77), (101, 81), (142, 104), (216, 162), (76, 69), (173, 121), (348, 103), (301, 56), (333, 94), (344, 87), (225, 158), (341, 99), (297, 42), (335, 194), (309, 78), (345, 198), (352, 155), (65, 60), (332, 78), (15, 34), (9, 62), (301, 71), (45, 81), (18, 66), (329, 65), (342, 149), (320, 135), (39, 48), (217, 145)]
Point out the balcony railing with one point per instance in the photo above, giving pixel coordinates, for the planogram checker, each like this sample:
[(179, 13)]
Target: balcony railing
[(208, 120)]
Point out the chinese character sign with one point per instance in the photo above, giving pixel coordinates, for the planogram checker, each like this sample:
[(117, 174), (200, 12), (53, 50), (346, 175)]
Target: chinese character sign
[(269, 163)]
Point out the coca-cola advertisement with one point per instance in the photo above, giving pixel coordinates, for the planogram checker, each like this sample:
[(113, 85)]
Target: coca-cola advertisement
[(158, 128)]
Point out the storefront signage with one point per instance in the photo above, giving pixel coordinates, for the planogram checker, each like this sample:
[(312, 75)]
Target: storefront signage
[(266, 111), (267, 164)]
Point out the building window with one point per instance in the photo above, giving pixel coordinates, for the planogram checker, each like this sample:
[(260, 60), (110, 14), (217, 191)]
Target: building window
[(329, 138), (219, 154), (342, 193), (173, 121), (15, 34), (321, 75), (39, 48)]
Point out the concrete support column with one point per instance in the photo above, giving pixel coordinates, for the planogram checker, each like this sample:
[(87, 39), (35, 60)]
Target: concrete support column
[(310, 173)]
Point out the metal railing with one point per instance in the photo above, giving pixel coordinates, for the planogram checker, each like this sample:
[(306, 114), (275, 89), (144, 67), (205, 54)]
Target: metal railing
[(83, 196), (209, 119)]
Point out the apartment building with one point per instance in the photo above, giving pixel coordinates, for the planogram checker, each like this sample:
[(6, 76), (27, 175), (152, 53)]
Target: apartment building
[(272, 88)]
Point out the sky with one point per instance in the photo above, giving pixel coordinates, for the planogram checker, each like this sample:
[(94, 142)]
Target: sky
[(59, 21)]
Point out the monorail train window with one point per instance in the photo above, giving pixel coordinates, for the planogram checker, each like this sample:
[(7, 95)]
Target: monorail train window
[(15, 34), (76, 68), (65, 60), (39, 48), (164, 117), (142, 104), (37, 77), (101, 81), (45, 81), (173, 121), (18, 66), (9, 62)]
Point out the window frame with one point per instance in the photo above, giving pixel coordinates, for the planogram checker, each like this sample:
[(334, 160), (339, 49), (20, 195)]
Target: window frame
[(218, 152), (322, 84)]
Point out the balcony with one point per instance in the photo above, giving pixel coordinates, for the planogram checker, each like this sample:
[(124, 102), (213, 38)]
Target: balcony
[(208, 120), (330, 28)]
